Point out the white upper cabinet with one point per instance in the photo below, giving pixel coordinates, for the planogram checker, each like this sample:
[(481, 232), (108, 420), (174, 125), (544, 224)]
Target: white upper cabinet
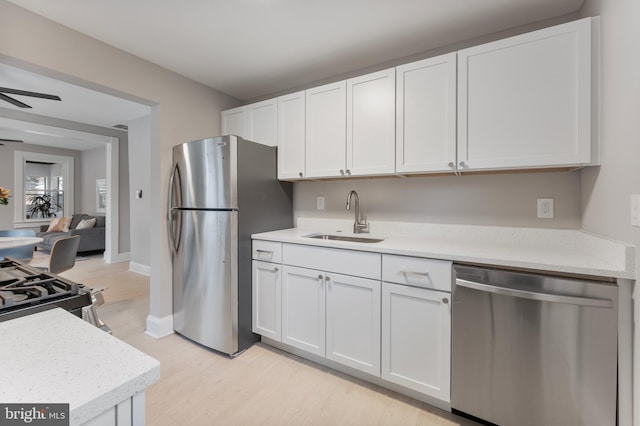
[(291, 136), (426, 115), (525, 101), (234, 122), (326, 128), (371, 124), (262, 122), (256, 122)]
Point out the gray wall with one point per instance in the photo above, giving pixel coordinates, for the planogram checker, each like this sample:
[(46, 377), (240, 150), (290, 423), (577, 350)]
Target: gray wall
[(7, 174), (124, 219), (182, 109), (139, 179), (94, 166), (606, 190), (498, 200)]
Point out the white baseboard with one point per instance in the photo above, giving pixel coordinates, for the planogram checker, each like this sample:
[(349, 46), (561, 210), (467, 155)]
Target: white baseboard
[(120, 257), (139, 268), (159, 327)]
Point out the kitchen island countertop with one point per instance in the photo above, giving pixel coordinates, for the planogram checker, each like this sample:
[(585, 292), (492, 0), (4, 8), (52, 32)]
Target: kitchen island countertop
[(55, 357)]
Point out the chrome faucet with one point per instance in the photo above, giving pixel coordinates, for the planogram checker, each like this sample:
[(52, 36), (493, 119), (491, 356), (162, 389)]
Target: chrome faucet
[(360, 226)]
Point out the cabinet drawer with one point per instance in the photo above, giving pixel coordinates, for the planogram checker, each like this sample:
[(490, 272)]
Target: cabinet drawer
[(267, 251), (348, 262), (416, 271)]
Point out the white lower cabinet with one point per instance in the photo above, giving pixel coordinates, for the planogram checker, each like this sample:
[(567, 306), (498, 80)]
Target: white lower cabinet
[(332, 315), (416, 339), (303, 309), (130, 412), (266, 299), (353, 322), (386, 316)]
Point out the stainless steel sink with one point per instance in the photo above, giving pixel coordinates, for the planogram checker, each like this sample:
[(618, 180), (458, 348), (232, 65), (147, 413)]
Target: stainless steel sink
[(343, 238)]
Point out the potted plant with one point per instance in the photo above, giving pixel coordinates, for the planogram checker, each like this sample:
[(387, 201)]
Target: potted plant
[(43, 206), (4, 196)]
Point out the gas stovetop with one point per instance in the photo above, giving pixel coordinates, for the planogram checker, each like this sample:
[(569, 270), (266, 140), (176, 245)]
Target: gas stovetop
[(25, 290)]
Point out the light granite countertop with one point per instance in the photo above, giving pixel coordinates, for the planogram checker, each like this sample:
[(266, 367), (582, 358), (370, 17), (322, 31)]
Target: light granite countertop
[(56, 357), (552, 250)]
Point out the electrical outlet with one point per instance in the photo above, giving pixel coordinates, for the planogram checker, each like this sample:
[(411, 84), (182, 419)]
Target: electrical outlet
[(545, 208), (635, 210), (320, 203)]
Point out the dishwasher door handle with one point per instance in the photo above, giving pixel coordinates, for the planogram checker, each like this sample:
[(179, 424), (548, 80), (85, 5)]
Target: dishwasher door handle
[(543, 297)]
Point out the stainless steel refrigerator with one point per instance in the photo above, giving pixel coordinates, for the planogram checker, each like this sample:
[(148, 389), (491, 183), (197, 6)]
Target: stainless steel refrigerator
[(221, 191)]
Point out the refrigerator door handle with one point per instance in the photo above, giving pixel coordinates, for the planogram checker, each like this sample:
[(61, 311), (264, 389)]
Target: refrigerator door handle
[(170, 212)]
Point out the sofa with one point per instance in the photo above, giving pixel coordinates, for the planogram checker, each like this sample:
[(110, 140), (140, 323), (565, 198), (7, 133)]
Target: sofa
[(91, 239)]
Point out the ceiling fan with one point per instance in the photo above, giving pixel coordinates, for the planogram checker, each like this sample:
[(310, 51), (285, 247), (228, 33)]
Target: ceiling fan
[(16, 102)]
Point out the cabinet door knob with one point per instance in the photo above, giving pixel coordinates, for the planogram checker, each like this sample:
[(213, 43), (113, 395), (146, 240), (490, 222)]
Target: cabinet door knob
[(462, 164), (320, 277), (276, 269), (300, 174), (451, 164), (348, 172), (341, 172), (445, 300), (327, 278)]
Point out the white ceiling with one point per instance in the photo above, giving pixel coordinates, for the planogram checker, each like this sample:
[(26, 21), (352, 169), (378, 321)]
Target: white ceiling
[(250, 48), (78, 104), (253, 48)]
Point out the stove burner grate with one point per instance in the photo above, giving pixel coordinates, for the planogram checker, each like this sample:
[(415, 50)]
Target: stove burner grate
[(20, 284)]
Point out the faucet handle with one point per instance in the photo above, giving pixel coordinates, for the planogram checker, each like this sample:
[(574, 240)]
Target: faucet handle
[(363, 226)]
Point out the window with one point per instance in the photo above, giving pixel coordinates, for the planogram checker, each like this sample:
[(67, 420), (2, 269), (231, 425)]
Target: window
[(43, 190), (45, 184)]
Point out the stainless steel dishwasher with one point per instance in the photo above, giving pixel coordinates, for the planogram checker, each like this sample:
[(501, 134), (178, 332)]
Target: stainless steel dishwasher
[(530, 349)]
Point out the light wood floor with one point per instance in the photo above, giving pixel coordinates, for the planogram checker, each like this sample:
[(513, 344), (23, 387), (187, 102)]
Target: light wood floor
[(262, 386)]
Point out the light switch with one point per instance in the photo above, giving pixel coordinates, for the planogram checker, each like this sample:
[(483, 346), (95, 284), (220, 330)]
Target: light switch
[(319, 203), (139, 193)]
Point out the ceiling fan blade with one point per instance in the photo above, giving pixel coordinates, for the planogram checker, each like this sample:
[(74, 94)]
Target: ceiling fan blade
[(11, 140), (13, 101), (27, 93)]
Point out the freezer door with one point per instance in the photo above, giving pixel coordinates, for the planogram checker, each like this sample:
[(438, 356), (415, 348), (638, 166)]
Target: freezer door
[(202, 174), (205, 282)]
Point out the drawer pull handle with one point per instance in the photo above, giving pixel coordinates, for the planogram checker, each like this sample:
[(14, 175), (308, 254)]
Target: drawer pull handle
[(421, 274), (264, 251)]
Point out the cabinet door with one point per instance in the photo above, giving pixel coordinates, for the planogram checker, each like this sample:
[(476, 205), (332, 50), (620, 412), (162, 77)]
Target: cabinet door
[(426, 115), (353, 322), (234, 122), (326, 129), (371, 124), (525, 101), (266, 299), (262, 122), (416, 339), (291, 136), (303, 309)]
